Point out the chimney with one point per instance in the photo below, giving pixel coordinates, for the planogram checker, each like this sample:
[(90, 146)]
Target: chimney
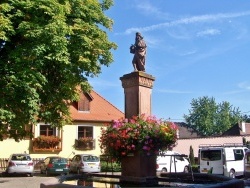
[(243, 127)]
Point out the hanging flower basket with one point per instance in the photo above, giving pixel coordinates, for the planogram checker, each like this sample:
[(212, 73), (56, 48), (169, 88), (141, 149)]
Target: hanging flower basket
[(142, 134)]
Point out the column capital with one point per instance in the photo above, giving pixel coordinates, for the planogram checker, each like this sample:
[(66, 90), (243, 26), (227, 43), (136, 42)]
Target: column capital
[(138, 78)]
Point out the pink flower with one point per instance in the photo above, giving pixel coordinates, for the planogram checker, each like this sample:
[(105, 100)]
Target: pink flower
[(132, 121), (146, 148), (142, 133)]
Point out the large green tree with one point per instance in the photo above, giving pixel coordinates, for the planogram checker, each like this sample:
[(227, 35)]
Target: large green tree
[(47, 49), (209, 118)]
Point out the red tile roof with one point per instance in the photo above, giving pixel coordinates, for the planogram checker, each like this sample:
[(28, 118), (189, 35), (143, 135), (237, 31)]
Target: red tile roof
[(100, 110)]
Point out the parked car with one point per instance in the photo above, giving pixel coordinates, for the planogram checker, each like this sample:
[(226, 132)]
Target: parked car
[(54, 165), (85, 163), (172, 161), (20, 164)]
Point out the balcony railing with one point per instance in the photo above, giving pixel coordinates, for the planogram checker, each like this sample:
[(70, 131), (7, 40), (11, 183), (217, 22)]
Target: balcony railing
[(47, 143)]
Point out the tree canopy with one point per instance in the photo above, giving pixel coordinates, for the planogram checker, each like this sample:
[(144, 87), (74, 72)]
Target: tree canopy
[(47, 49), (246, 118), (209, 118)]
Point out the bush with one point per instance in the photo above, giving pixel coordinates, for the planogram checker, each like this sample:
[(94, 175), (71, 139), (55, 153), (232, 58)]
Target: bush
[(195, 168), (110, 166)]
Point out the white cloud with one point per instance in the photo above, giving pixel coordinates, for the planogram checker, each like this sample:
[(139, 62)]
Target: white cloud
[(244, 85), (208, 32), (232, 92), (172, 91), (188, 53), (189, 20), (148, 8)]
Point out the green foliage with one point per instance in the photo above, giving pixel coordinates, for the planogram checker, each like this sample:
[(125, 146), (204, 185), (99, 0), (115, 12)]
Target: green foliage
[(110, 166), (47, 49), (209, 118), (246, 118), (191, 155), (195, 168)]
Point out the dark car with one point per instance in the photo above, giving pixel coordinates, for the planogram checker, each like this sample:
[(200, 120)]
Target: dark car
[(20, 164), (54, 165)]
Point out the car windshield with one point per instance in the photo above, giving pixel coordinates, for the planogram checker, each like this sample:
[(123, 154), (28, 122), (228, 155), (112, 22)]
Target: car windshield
[(59, 160), (20, 158), (90, 158)]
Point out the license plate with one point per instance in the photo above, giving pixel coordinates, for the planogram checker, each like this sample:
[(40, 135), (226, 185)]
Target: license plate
[(59, 170), (91, 164), (204, 170)]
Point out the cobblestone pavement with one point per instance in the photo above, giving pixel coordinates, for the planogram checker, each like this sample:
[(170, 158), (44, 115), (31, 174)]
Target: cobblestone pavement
[(24, 181)]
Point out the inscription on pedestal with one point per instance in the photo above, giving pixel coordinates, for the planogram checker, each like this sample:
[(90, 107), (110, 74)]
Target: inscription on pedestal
[(137, 79)]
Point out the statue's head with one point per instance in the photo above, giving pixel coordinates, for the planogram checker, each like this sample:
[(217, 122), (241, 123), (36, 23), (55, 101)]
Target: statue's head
[(138, 34)]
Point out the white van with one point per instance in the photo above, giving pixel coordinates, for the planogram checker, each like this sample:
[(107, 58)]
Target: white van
[(172, 161), (226, 159)]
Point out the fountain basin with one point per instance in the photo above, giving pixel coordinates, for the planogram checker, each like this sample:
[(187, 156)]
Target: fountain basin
[(189, 180)]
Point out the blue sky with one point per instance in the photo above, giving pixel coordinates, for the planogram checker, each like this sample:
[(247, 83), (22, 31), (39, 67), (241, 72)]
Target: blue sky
[(194, 49)]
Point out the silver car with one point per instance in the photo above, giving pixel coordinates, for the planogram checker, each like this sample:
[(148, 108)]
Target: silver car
[(85, 163), (20, 164)]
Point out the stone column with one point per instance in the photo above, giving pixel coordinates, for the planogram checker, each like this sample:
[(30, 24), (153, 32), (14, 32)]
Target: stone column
[(137, 89), (138, 168)]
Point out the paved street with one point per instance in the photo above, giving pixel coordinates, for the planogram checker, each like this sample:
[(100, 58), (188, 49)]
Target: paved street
[(24, 181)]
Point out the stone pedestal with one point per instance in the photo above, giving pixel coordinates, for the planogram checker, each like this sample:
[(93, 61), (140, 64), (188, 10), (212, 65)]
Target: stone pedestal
[(137, 89), (138, 168)]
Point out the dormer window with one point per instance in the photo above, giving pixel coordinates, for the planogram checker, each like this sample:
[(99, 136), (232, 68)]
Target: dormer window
[(84, 102)]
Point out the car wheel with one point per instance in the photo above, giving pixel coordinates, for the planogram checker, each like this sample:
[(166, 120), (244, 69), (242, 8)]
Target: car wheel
[(232, 173), (186, 170), (31, 175), (164, 170)]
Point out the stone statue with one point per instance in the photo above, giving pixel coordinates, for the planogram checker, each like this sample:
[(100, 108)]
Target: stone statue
[(139, 51)]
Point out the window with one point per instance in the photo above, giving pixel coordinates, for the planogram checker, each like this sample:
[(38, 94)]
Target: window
[(90, 159), (210, 155), (47, 130), (27, 129), (85, 131), (84, 103), (238, 154), (180, 158), (21, 158)]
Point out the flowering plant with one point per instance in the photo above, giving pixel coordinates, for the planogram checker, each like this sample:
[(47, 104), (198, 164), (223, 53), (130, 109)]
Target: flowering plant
[(46, 141), (148, 135), (85, 139), (84, 143)]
